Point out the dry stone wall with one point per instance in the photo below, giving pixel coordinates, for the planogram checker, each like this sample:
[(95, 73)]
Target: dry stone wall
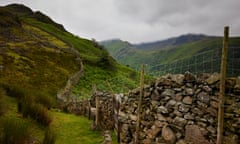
[(181, 109), (176, 109)]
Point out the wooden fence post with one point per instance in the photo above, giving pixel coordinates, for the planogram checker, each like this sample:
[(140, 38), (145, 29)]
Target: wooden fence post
[(89, 109), (222, 86), (115, 109), (97, 106), (97, 111), (139, 112)]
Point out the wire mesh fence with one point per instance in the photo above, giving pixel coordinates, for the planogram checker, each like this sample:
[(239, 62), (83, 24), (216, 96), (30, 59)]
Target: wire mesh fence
[(204, 62), (116, 85)]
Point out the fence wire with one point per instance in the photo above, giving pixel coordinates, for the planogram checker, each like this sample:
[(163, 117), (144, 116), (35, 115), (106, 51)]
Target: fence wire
[(204, 62)]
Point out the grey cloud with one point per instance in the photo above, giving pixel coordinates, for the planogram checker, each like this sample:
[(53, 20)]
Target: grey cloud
[(140, 20)]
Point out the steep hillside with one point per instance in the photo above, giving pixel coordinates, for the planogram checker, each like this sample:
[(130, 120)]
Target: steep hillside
[(31, 58), (40, 53), (166, 51)]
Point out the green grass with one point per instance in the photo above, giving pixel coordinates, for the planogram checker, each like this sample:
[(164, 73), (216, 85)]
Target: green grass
[(11, 112), (73, 129)]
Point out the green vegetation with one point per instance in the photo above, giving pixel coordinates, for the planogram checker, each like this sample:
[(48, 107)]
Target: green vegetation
[(120, 81), (14, 131), (49, 137)]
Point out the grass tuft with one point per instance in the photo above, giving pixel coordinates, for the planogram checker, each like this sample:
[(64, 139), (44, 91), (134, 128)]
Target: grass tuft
[(14, 131), (37, 112), (50, 137)]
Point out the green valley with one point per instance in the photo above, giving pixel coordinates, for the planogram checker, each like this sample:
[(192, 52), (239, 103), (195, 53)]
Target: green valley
[(165, 51)]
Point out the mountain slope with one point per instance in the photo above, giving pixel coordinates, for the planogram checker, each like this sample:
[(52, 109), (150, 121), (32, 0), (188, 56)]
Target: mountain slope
[(32, 57), (171, 42), (166, 51)]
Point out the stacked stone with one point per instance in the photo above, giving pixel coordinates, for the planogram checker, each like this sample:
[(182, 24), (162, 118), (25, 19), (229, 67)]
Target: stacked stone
[(105, 109), (179, 109), (78, 107)]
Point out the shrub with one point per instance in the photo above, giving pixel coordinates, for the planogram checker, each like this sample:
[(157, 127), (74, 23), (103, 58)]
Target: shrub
[(45, 99), (40, 114), (29, 108), (24, 105), (50, 137), (14, 91), (15, 131)]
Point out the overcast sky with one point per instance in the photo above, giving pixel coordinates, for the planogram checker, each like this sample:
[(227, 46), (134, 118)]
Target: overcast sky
[(140, 20)]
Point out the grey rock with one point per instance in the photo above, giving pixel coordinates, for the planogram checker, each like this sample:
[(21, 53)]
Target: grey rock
[(188, 91), (213, 78), (194, 135), (160, 124), (188, 116), (187, 100), (168, 92), (133, 117), (178, 97), (211, 129), (170, 103), (162, 110), (160, 117), (183, 108), (168, 135), (179, 121), (179, 78), (178, 113), (181, 141), (189, 77), (147, 141), (207, 88), (203, 97)]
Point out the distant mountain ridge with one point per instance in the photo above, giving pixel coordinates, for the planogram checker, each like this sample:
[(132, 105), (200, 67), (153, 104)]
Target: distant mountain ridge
[(175, 41)]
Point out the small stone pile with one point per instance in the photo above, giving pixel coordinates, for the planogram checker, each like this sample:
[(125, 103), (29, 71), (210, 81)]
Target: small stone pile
[(181, 109)]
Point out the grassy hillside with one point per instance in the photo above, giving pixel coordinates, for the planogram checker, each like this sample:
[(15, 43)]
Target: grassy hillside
[(125, 53)]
